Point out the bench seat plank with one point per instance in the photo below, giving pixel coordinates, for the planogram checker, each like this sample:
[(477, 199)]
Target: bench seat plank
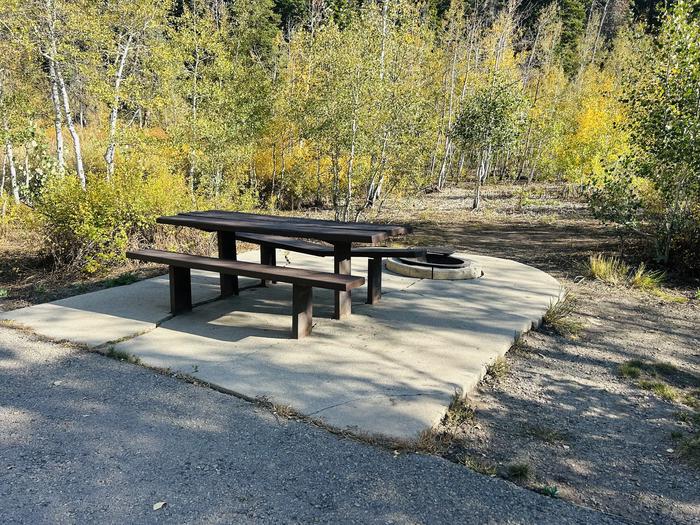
[(312, 248), (298, 276), (287, 243)]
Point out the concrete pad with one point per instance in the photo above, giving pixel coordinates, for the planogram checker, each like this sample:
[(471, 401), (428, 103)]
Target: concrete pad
[(389, 369), (99, 317)]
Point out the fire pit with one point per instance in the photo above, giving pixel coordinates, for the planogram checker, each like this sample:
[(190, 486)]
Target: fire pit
[(436, 265)]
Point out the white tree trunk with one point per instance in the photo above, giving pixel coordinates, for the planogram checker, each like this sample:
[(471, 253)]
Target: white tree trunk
[(114, 112), (77, 150), (58, 117), (4, 173), (9, 152)]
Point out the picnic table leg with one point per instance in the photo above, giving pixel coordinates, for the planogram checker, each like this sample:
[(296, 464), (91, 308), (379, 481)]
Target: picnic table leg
[(302, 310), (268, 256), (227, 250), (374, 280), (180, 290), (343, 300)]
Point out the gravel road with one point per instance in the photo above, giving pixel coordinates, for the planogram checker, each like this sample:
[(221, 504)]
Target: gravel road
[(87, 439)]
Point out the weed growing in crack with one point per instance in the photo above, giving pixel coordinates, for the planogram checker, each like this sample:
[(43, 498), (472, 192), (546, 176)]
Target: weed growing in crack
[(458, 412), (498, 369), (480, 466), (548, 490), (518, 471), (120, 355)]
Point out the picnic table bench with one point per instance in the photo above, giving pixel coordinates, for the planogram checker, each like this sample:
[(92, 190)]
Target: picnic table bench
[(230, 225), (272, 232), (303, 281), (270, 243)]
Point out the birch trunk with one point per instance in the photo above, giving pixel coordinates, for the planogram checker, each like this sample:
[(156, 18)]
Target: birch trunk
[(114, 111), (9, 153), (58, 117), (71, 127), (351, 161), (4, 173), (26, 167), (481, 174)]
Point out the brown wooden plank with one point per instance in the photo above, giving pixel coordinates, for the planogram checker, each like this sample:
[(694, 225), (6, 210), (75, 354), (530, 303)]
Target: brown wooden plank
[(287, 243), (342, 264), (227, 250), (374, 280), (257, 271), (302, 311), (321, 232), (391, 229), (180, 290), (320, 250)]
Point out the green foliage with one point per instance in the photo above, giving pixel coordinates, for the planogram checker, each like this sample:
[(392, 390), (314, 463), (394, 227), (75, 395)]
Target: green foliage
[(91, 229), (656, 189), (548, 490), (343, 103), (493, 117), (573, 14)]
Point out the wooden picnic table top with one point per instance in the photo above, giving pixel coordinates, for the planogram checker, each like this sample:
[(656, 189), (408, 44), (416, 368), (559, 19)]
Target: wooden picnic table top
[(324, 230)]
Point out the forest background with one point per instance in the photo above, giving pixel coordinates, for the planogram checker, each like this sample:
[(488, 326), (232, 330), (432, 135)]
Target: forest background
[(113, 112)]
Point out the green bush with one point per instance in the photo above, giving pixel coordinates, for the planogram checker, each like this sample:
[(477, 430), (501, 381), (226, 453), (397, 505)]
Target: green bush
[(90, 229)]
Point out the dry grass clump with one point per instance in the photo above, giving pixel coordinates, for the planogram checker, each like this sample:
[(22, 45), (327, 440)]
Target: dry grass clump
[(498, 369), (559, 316), (613, 271), (458, 412), (610, 270), (644, 279)]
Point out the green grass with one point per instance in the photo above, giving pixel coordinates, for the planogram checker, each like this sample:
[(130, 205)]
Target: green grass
[(121, 280), (4, 293), (669, 297), (631, 369), (548, 490), (661, 389), (689, 449), (559, 317), (544, 433), (613, 271)]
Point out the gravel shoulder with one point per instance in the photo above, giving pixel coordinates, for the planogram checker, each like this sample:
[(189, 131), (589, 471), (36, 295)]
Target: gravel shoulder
[(87, 439), (563, 410), (559, 408)]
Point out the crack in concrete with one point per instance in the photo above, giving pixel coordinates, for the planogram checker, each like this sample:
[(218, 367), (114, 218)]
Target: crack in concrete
[(362, 398)]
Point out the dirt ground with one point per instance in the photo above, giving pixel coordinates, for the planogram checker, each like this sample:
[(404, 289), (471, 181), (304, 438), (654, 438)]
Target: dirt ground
[(556, 416)]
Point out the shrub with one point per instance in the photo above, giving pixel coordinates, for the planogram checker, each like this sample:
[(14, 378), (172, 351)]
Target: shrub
[(90, 229)]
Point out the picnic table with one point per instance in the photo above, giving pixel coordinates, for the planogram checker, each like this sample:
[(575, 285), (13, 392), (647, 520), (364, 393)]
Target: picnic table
[(341, 235)]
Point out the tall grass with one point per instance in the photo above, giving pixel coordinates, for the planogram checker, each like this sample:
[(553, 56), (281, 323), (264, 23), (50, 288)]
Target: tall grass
[(613, 271)]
